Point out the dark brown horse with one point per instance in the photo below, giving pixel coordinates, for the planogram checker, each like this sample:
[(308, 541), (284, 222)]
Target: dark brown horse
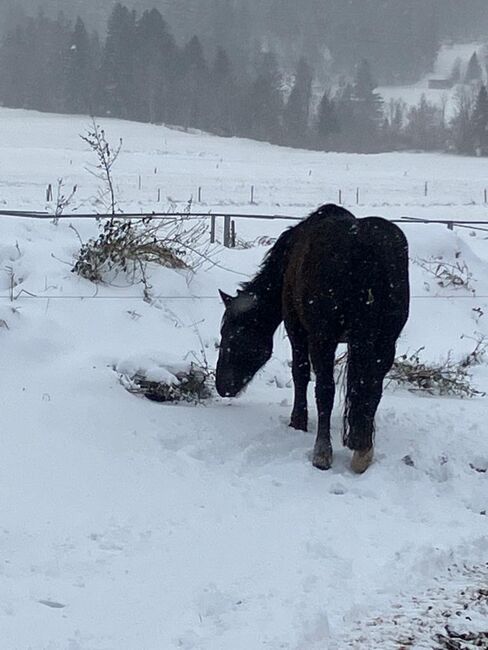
[(332, 278)]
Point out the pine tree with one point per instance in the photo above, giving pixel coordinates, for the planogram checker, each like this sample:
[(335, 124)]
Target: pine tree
[(367, 108), (364, 93), (327, 122), (155, 67), (474, 72), (14, 64), (265, 101), (462, 122), (223, 93), (193, 95), (425, 127), (344, 102), (80, 72), (118, 64), (480, 122), (297, 111)]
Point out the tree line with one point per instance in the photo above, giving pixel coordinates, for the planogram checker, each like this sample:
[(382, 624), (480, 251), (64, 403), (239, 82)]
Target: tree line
[(400, 38), (139, 72)]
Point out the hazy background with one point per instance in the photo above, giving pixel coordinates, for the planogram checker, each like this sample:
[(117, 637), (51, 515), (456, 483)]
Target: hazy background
[(300, 73), (399, 37)]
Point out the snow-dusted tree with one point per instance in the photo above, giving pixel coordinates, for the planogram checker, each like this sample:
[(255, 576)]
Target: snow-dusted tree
[(79, 89), (461, 123), (223, 95), (155, 68), (392, 130), (425, 126), (369, 102), (474, 72), (327, 121), (480, 122), (118, 64), (360, 114), (265, 101), (297, 110), (192, 86)]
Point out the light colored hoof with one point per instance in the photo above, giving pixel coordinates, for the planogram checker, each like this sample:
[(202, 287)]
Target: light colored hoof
[(361, 460)]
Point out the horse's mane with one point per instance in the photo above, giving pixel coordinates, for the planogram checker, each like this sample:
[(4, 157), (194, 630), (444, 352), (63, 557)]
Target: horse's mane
[(271, 271), (273, 265)]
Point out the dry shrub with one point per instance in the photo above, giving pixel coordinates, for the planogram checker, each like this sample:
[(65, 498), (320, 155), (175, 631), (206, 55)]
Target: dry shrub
[(446, 377), (443, 378), (448, 275), (190, 385), (129, 245)]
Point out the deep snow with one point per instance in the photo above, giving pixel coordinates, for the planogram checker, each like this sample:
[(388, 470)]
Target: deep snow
[(128, 525)]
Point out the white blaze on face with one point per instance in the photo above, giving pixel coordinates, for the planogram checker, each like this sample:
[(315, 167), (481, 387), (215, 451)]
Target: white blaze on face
[(243, 303)]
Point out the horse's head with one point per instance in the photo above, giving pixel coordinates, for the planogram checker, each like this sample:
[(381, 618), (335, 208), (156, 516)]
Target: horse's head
[(245, 345)]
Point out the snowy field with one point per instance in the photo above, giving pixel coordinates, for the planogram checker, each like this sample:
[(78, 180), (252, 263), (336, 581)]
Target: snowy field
[(442, 69), (131, 525)]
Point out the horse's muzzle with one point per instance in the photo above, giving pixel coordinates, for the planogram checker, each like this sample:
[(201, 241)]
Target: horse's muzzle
[(227, 385)]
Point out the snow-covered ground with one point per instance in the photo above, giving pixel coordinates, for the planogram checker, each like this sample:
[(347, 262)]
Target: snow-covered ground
[(131, 525)]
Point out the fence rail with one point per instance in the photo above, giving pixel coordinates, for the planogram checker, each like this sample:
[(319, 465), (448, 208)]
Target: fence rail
[(229, 241), (229, 223)]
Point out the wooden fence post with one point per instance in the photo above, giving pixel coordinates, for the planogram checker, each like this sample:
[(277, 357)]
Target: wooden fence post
[(227, 232), (212, 229), (233, 233)]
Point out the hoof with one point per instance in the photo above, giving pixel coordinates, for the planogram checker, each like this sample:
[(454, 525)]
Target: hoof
[(361, 460), (322, 461), (322, 458), (299, 425)]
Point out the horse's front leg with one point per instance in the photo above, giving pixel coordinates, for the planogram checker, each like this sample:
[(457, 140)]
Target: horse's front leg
[(301, 376), (323, 357)]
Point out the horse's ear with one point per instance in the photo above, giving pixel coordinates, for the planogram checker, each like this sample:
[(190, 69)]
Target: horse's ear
[(226, 299)]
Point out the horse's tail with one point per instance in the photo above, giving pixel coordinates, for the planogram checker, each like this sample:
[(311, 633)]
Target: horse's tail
[(384, 248), (381, 304)]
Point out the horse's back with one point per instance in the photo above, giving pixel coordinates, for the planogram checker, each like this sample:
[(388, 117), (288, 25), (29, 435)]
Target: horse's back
[(347, 272)]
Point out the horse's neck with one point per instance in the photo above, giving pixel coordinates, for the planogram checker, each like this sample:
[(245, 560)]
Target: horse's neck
[(267, 285), (269, 303)]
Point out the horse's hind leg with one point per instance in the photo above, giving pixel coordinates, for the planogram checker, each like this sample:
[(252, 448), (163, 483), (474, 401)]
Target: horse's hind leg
[(301, 374), (323, 357), (368, 363)]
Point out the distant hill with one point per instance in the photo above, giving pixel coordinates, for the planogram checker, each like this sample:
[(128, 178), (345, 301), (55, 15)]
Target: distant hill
[(400, 38)]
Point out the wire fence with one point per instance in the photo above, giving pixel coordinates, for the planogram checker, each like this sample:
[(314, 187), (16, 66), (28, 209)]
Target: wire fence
[(45, 216), (195, 298), (229, 241)]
